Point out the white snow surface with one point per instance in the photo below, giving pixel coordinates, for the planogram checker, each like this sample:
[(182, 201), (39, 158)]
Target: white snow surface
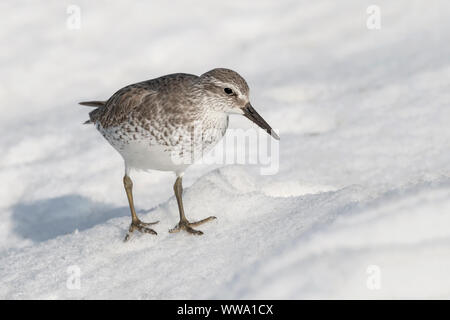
[(360, 205)]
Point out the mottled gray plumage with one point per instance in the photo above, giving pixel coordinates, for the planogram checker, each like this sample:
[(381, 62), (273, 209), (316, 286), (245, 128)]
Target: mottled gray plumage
[(178, 96), (169, 94)]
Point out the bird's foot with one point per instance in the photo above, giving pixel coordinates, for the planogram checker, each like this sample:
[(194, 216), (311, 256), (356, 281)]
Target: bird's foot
[(141, 227), (187, 226)]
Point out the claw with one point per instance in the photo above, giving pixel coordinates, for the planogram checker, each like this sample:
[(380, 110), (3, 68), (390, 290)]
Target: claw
[(149, 223), (187, 226), (141, 227)]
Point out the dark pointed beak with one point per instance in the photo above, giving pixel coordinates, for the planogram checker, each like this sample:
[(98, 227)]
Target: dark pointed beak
[(254, 116)]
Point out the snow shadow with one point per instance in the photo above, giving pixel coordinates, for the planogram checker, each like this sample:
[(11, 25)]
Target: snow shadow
[(46, 219)]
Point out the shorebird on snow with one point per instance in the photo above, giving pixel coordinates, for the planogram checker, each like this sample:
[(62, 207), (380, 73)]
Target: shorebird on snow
[(153, 124)]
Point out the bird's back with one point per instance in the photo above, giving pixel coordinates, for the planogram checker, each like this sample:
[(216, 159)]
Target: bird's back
[(147, 100)]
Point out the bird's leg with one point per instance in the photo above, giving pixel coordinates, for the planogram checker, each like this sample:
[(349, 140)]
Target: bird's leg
[(136, 224), (184, 224)]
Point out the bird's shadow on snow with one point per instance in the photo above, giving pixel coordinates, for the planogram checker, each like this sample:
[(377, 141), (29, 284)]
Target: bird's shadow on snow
[(46, 219)]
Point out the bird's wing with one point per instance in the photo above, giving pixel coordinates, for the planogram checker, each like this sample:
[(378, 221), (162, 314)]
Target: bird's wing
[(123, 103), (147, 99)]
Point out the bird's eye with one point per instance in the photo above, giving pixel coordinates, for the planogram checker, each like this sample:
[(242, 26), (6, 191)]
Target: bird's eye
[(228, 91)]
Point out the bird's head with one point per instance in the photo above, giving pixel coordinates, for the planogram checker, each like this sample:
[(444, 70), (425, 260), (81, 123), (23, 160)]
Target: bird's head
[(226, 91)]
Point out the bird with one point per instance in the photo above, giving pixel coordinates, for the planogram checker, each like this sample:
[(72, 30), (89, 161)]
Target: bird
[(167, 124)]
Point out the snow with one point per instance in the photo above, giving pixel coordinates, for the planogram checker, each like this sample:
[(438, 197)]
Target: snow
[(360, 205)]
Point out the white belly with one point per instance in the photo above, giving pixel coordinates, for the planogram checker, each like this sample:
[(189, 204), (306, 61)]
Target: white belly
[(143, 151), (140, 155)]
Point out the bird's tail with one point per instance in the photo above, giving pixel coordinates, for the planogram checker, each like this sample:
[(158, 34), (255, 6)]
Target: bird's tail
[(95, 104)]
